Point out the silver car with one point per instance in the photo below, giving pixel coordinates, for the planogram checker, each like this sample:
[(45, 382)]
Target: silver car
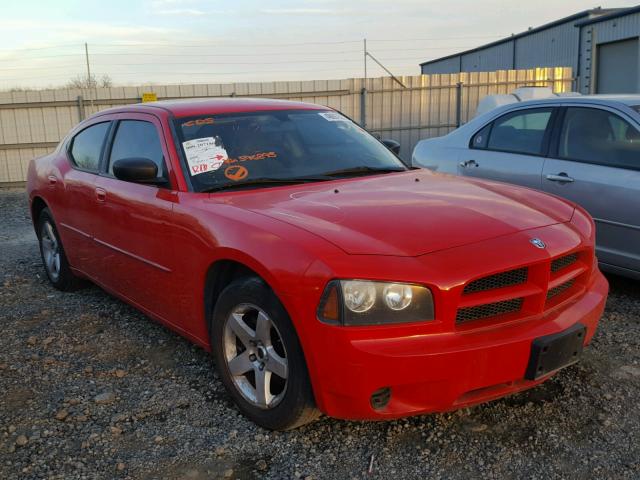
[(585, 149)]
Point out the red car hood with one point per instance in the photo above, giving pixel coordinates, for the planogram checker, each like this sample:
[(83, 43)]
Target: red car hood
[(406, 214)]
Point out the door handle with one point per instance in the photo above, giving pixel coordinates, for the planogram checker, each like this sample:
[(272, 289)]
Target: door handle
[(469, 163), (560, 177), (101, 194)]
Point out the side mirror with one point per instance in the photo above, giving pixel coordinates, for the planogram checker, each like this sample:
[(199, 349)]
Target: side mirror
[(137, 170), (392, 145)]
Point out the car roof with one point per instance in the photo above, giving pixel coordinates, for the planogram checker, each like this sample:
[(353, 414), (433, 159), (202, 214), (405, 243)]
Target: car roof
[(626, 99), (614, 101), (211, 106)]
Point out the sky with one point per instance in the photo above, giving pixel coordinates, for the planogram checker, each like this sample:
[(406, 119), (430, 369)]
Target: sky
[(206, 41)]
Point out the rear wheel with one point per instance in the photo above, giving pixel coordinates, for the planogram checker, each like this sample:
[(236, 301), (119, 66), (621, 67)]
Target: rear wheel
[(53, 257), (259, 357)]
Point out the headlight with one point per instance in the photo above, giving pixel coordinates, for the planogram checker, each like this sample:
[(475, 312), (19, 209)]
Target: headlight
[(398, 296), (365, 302), (358, 296)]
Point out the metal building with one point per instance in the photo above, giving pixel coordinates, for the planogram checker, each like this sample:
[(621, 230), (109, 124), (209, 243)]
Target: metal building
[(600, 45)]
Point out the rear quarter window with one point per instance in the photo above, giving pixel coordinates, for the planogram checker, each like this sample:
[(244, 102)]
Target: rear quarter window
[(480, 139)]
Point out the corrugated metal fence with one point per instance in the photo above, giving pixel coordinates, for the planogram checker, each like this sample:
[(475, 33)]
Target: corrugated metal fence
[(33, 122)]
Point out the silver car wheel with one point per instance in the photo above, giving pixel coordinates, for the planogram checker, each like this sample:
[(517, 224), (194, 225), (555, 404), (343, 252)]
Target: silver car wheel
[(50, 251), (255, 356)]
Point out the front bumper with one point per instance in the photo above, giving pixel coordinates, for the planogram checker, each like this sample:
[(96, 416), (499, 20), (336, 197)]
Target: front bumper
[(440, 371)]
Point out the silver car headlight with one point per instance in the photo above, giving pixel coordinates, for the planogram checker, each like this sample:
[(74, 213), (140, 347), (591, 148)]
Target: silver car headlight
[(367, 302)]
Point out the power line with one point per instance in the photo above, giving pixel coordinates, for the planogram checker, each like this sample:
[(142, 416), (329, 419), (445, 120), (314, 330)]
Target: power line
[(350, 60), (325, 55), (190, 54), (433, 39), (254, 45), (43, 67), (251, 45), (67, 76), (208, 45), (260, 54), (452, 47), (67, 45), (79, 54), (120, 64), (250, 71)]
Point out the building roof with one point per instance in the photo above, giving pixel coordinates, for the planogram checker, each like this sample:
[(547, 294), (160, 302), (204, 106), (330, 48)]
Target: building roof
[(599, 12), (612, 13)]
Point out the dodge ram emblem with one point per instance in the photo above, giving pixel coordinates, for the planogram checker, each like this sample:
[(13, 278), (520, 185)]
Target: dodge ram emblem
[(538, 243)]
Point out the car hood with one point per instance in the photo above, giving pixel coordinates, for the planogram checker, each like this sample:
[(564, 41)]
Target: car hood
[(406, 214)]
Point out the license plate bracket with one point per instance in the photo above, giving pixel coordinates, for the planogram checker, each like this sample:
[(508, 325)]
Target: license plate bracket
[(556, 351)]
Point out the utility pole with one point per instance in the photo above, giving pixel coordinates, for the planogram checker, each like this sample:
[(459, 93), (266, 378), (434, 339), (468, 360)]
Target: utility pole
[(86, 54), (363, 92), (365, 60)]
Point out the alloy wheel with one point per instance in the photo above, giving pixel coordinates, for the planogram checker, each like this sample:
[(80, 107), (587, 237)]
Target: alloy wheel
[(255, 355), (50, 250)]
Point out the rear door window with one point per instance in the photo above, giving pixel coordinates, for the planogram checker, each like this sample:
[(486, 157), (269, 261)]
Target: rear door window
[(520, 132), (593, 135), (137, 139), (86, 147)]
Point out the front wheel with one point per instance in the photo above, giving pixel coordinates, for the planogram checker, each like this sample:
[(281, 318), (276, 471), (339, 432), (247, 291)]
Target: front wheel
[(259, 358)]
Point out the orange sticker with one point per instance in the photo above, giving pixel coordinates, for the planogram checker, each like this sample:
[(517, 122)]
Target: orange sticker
[(257, 156), (198, 122), (236, 172)]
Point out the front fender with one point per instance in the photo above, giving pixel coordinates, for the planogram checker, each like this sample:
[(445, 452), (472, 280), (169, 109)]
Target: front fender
[(206, 232)]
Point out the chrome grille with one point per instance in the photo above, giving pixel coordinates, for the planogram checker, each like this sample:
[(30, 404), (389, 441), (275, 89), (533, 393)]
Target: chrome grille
[(499, 280), (488, 310), (563, 262)]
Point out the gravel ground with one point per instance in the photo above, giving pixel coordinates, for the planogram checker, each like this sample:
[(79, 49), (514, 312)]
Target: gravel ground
[(90, 388)]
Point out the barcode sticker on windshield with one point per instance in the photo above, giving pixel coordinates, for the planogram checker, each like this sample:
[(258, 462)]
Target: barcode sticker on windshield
[(333, 117), (204, 155)]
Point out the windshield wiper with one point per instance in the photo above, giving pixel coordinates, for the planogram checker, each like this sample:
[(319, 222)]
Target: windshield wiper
[(268, 182), (363, 171), (315, 178)]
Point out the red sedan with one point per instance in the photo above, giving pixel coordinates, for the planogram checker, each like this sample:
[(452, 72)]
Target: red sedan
[(321, 272)]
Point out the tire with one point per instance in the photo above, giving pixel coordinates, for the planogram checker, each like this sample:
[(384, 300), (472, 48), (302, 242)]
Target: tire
[(252, 335), (53, 256)]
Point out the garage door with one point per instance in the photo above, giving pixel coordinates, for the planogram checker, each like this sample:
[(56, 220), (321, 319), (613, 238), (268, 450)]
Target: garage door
[(618, 67)]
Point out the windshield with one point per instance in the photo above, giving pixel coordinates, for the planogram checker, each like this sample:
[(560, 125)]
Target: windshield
[(227, 150)]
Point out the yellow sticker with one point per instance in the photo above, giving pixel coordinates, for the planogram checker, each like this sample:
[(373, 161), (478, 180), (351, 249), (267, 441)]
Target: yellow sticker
[(149, 97)]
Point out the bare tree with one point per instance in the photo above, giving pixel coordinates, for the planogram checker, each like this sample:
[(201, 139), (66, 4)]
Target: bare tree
[(89, 82), (105, 81), (19, 89)]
